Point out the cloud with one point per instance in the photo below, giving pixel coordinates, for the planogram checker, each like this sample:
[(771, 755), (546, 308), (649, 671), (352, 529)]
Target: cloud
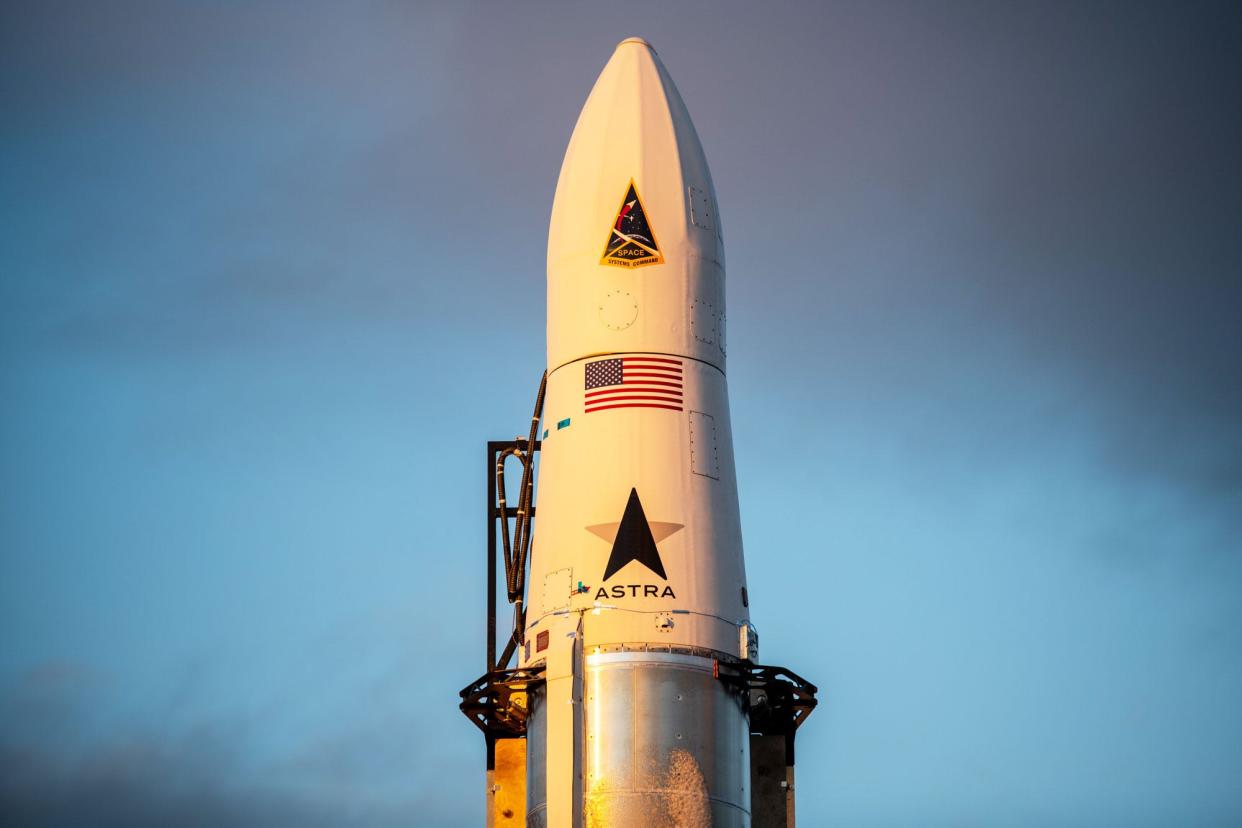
[(142, 784), (372, 765)]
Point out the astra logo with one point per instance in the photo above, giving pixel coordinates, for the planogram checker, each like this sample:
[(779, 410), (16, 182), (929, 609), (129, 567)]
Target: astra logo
[(635, 591), (634, 539)]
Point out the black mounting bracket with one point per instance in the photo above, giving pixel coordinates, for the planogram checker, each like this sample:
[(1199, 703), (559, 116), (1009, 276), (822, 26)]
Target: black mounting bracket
[(779, 699), (498, 701)]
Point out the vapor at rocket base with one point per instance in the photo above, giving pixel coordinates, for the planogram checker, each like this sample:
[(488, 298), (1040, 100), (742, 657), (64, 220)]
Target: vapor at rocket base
[(637, 686)]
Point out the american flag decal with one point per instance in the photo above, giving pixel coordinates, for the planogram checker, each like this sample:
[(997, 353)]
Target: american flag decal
[(633, 382)]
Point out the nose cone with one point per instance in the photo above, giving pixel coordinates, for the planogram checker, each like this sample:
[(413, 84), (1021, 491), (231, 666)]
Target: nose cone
[(635, 40), (635, 260)]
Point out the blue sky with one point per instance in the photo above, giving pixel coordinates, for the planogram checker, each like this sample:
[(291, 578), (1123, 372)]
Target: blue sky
[(271, 275)]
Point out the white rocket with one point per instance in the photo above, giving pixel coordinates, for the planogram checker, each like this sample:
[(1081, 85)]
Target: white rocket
[(637, 678)]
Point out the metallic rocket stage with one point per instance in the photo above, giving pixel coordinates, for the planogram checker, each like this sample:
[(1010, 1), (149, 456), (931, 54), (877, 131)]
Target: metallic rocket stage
[(636, 699)]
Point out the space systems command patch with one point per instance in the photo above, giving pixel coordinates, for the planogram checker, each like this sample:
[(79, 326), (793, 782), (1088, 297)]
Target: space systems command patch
[(631, 242)]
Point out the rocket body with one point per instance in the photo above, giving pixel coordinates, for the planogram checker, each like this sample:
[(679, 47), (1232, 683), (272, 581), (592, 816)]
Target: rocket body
[(637, 589)]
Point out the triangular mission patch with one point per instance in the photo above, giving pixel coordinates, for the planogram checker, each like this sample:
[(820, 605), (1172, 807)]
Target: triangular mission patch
[(631, 241)]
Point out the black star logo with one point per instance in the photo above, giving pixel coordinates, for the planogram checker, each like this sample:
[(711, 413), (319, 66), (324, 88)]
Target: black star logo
[(634, 538)]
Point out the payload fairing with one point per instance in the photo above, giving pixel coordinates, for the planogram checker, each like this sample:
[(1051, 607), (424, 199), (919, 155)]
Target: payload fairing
[(637, 688)]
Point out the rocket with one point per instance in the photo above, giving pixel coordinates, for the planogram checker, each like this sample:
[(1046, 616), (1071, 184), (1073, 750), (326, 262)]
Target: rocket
[(637, 697)]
